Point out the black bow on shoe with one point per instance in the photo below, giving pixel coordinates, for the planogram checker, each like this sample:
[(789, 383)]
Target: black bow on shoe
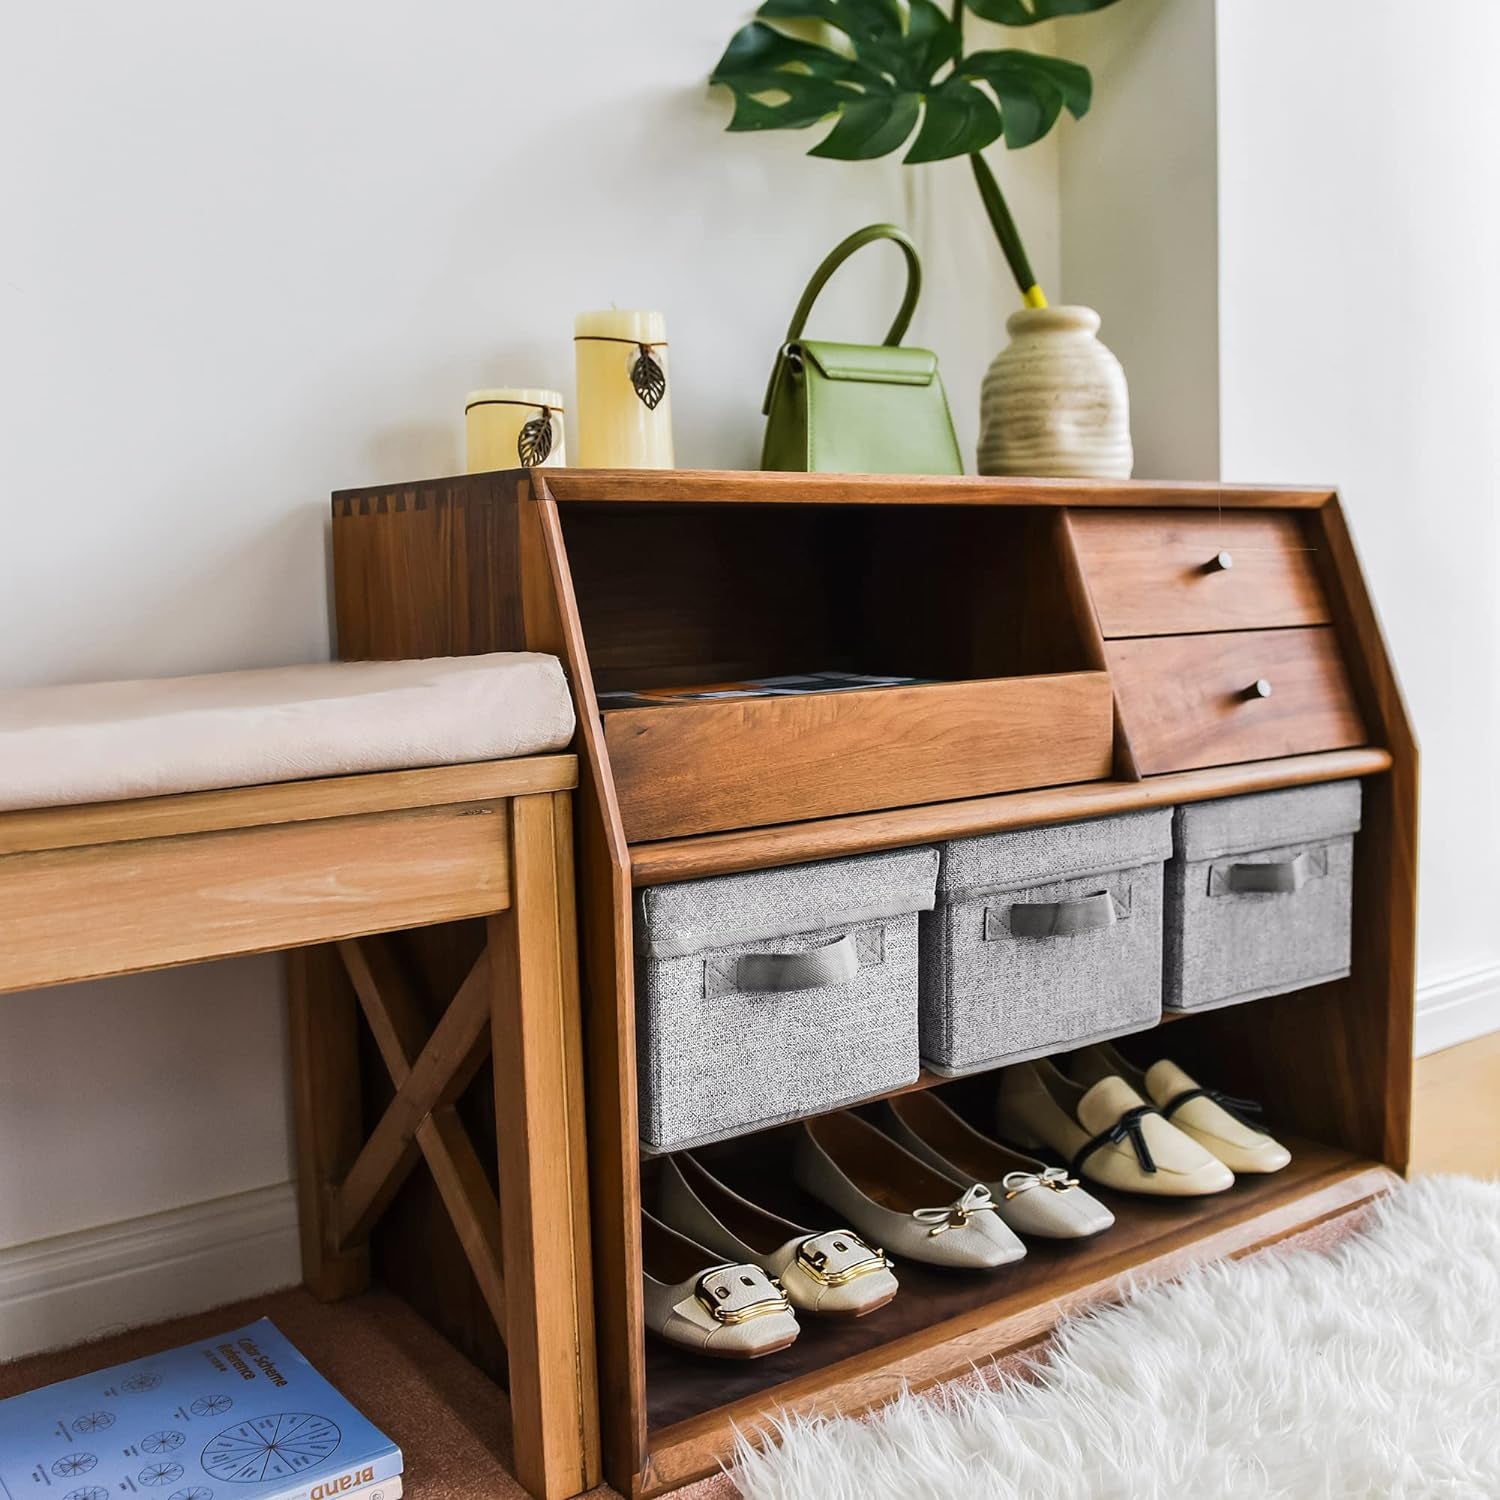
[(1236, 1109), (1126, 1128)]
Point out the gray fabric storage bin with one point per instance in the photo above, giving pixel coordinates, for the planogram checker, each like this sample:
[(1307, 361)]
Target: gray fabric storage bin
[(1259, 894), (776, 994), (1044, 939)]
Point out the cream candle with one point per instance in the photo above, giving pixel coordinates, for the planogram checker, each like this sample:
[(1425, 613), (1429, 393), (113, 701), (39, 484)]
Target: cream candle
[(517, 425), (624, 408)]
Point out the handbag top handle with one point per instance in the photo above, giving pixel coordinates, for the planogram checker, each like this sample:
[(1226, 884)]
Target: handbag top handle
[(839, 254)]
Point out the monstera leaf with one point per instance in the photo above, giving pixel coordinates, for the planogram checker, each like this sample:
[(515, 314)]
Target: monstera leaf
[(877, 76), (1020, 13)]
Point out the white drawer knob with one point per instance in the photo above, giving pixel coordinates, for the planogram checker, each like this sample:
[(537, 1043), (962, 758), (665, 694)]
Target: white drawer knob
[(1220, 562), (1260, 688)]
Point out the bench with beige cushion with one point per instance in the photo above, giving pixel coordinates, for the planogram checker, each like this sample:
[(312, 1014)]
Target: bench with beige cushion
[(322, 809)]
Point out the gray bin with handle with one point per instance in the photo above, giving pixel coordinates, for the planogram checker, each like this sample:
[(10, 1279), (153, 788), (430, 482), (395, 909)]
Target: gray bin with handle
[(1259, 894), (776, 994), (1044, 939)]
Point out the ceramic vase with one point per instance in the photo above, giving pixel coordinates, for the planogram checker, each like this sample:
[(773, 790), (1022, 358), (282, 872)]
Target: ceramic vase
[(1054, 402)]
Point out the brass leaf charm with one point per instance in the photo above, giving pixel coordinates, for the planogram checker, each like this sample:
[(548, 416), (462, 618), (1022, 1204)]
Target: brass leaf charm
[(648, 378), (535, 440)]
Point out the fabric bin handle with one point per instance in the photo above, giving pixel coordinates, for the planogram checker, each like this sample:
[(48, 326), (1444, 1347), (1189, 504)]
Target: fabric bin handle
[(1039, 919), (773, 973), (1280, 877)]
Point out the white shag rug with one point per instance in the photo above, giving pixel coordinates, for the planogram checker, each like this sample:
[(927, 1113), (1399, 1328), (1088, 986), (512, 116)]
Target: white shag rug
[(1371, 1369)]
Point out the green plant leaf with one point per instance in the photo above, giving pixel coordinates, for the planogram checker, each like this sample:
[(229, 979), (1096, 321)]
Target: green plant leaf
[(1029, 12), (931, 40), (870, 127), (1032, 89), (878, 75), (873, 19), (959, 119), (810, 82)]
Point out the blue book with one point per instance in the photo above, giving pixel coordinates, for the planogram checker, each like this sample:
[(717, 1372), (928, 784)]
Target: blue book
[(238, 1417)]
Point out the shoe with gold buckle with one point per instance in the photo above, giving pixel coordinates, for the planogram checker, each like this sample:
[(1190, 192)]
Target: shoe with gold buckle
[(832, 1272), (695, 1301)]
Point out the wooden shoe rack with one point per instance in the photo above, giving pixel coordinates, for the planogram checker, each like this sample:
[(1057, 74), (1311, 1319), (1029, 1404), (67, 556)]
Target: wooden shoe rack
[(1086, 648)]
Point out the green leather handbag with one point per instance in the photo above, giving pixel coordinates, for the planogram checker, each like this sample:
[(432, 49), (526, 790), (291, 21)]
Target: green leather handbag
[(859, 408)]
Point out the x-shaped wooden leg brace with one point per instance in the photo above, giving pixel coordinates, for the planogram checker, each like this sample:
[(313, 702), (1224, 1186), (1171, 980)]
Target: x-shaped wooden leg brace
[(430, 1073)]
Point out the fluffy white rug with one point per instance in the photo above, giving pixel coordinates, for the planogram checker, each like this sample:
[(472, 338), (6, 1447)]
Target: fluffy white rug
[(1370, 1370)]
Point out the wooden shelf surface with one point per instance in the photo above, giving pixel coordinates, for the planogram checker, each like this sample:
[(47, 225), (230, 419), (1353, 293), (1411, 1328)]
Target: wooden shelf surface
[(450, 1420), (830, 838), (941, 1321), (737, 486)]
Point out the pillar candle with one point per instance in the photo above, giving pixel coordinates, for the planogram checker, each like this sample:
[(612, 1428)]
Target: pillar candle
[(513, 427), (624, 408)]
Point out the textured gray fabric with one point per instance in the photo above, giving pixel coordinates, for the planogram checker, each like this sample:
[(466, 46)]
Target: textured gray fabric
[(698, 914), (1008, 861), (714, 1060), (1225, 945), (989, 996), (1266, 820)]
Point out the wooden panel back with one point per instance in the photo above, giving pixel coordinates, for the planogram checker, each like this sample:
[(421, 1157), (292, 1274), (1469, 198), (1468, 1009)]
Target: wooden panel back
[(1184, 699), (427, 569)]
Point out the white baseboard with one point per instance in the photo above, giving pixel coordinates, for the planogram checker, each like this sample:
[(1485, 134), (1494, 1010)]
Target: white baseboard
[(79, 1286), (1458, 1009)]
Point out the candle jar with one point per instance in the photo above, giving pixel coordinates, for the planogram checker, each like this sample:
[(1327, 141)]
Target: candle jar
[(519, 425), (624, 390)]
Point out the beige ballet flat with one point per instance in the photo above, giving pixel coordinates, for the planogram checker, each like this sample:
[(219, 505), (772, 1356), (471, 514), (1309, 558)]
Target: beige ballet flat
[(1216, 1121), (832, 1274), (894, 1199), (1106, 1133), (698, 1303), (1034, 1199)]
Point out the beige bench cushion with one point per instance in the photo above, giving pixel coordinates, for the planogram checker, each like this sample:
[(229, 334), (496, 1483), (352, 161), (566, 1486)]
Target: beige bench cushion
[(103, 741)]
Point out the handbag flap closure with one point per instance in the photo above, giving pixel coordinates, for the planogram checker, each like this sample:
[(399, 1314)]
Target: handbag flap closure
[(884, 364)]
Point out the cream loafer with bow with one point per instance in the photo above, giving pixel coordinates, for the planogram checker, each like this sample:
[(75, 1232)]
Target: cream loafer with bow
[(1105, 1132), (1034, 1199), (833, 1274), (1216, 1121), (697, 1302), (894, 1199)]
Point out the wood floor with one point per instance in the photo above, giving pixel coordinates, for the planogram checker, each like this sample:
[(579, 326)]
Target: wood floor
[(1456, 1121)]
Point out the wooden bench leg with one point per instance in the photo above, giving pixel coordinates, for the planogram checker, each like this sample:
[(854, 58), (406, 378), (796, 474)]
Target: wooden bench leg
[(538, 1057), (323, 1013)]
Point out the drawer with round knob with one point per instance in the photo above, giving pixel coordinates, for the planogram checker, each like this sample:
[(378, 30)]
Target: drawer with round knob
[(1211, 700), (1177, 572)]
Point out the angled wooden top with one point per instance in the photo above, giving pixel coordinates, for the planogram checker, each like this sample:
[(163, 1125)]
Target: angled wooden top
[(753, 487), (40, 828)]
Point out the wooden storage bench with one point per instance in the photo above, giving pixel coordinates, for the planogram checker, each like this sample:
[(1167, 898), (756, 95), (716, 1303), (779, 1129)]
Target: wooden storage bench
[(1082, 649), (332, 868)]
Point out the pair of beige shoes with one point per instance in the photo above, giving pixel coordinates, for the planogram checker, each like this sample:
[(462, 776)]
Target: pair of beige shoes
[(728, 1278), (1152, 1131)]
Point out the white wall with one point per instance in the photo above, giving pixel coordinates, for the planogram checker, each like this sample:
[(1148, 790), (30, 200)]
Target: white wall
[(1329, 168), (254, 252), (1360, 333), (1140, 221)]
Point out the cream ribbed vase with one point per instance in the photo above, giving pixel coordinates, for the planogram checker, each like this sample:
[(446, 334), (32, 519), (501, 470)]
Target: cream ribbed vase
[(1054, 403)]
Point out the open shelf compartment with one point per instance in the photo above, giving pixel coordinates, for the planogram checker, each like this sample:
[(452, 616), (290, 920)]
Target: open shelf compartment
[(968, 603)]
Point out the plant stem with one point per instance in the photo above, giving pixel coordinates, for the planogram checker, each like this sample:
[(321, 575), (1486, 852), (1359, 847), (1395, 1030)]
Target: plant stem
[(1005, 228)]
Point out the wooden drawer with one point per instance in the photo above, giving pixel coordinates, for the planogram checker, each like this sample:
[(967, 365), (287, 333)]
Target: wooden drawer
[(742, 763), (1160, 572), (1188, 701)]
